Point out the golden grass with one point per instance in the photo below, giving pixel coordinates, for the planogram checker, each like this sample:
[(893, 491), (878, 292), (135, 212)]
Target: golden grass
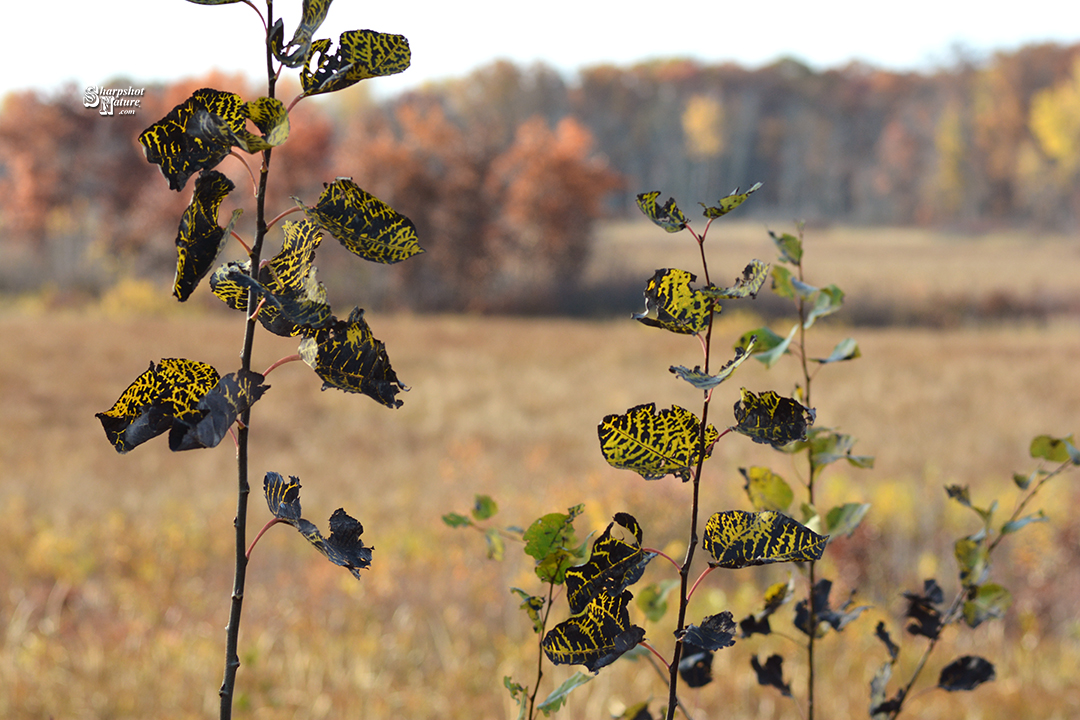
[(115, 570)]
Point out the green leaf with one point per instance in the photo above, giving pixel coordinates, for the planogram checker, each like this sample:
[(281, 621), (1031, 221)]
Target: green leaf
[(519, 693), (671, 304), (846, 349), (965, 673), (456, 520), (989, 602), (1014, 525), (652, 599), (706, 382), (667, 216), (551, 541), (532, 605), (557, 698), (217, 411), (150, 405), (790, 247), (596, 636), (361, 54), (963, 496), (194, 135), (827, 446), (825, 302), (774, 347), (753, 277), (783, 282), (200, 238), (1054, 449), (364, 224), (738, 539), (347, 356), (312, 16), (771, 674), (613, 565), (771, 419), (728, 203), (763, 339), (270, 116), (484, 507), (972, 557), (655, 444), (496, 547), (843, 519), (766, 489), (343, 547)]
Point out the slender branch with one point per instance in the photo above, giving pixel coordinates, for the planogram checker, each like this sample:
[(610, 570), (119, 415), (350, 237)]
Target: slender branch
[(540, 651), (247, 248)]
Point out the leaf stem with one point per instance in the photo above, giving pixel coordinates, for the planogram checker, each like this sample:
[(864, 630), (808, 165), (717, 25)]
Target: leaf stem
[(267, 526), (279, 363), (282, 214)]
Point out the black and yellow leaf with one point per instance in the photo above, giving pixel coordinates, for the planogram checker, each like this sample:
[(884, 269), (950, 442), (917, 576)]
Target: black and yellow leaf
[(767, 490), (753, 277), (824, 615), (790, 247), (346, 355), (364, 224), (270, 116), (706, 382), (200, 239), (296, 52), (738, 539), (361, 54), (550, 540), (343, 547), (716, 632), (966, 673), (194, 135), (613, 565), (655, 444), (596, 636), (166, 392), (671, 304), (925, 610), (217, 411), (667, 216), (229, 286), (987, 602), (532, 605), (771, 674), (290, 277), (728, 203), (771, 419)]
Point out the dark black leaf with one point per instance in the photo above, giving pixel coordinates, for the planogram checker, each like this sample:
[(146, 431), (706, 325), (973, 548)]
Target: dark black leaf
[(771, 673), (926, 618), (966, 673), (695, 666), (715, 633)]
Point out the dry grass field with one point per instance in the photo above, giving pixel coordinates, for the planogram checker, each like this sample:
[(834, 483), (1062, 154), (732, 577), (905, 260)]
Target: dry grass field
[(115, 571)]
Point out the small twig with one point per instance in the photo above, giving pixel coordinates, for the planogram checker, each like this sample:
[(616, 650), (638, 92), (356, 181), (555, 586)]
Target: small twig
[(283, 214), (661, 554), (247, 248), (698, 581), (282, 361), (266, 527)]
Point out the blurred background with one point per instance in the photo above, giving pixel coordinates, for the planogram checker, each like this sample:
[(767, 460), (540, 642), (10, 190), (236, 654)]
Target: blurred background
[(933, 154)]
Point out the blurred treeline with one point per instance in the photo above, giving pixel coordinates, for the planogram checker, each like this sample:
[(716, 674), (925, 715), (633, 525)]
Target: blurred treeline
[(504, 171)]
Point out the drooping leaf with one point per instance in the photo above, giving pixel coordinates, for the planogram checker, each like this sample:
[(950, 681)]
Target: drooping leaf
[(824, 614), (671, 304), (989, 602), (738, 539), (347, 356), (769, 347), (217, 411), (166, 392), (1014, 525), (825, 301), (652, 599), (790, 247), (364, 224), (557, 698), (191, 136), (846, 349), (771, 674), (667, 216), (551, 541), (728, 203), (519, 694), (766, 489), (972, 556), (596, 636), (753, 277), (706, 382), (613, 565), (1054, 449), (654, 444), (770, 419), (456, 520), (343, 547), (844, 519), (532, 605), (296, 52), (271, 117), (200, 238), (827, 446), (966, 673), (924, 610), (695, 665), (361, 54), (715, 632)]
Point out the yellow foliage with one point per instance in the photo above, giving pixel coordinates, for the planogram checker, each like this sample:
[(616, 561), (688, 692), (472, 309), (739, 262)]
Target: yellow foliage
[(1055, 122), (132, 296), (703, 127)]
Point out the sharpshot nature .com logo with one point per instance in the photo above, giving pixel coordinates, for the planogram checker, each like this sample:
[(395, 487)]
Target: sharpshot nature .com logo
[(113, 101)]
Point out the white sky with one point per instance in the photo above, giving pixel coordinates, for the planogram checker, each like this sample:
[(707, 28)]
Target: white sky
[(150, 40)]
